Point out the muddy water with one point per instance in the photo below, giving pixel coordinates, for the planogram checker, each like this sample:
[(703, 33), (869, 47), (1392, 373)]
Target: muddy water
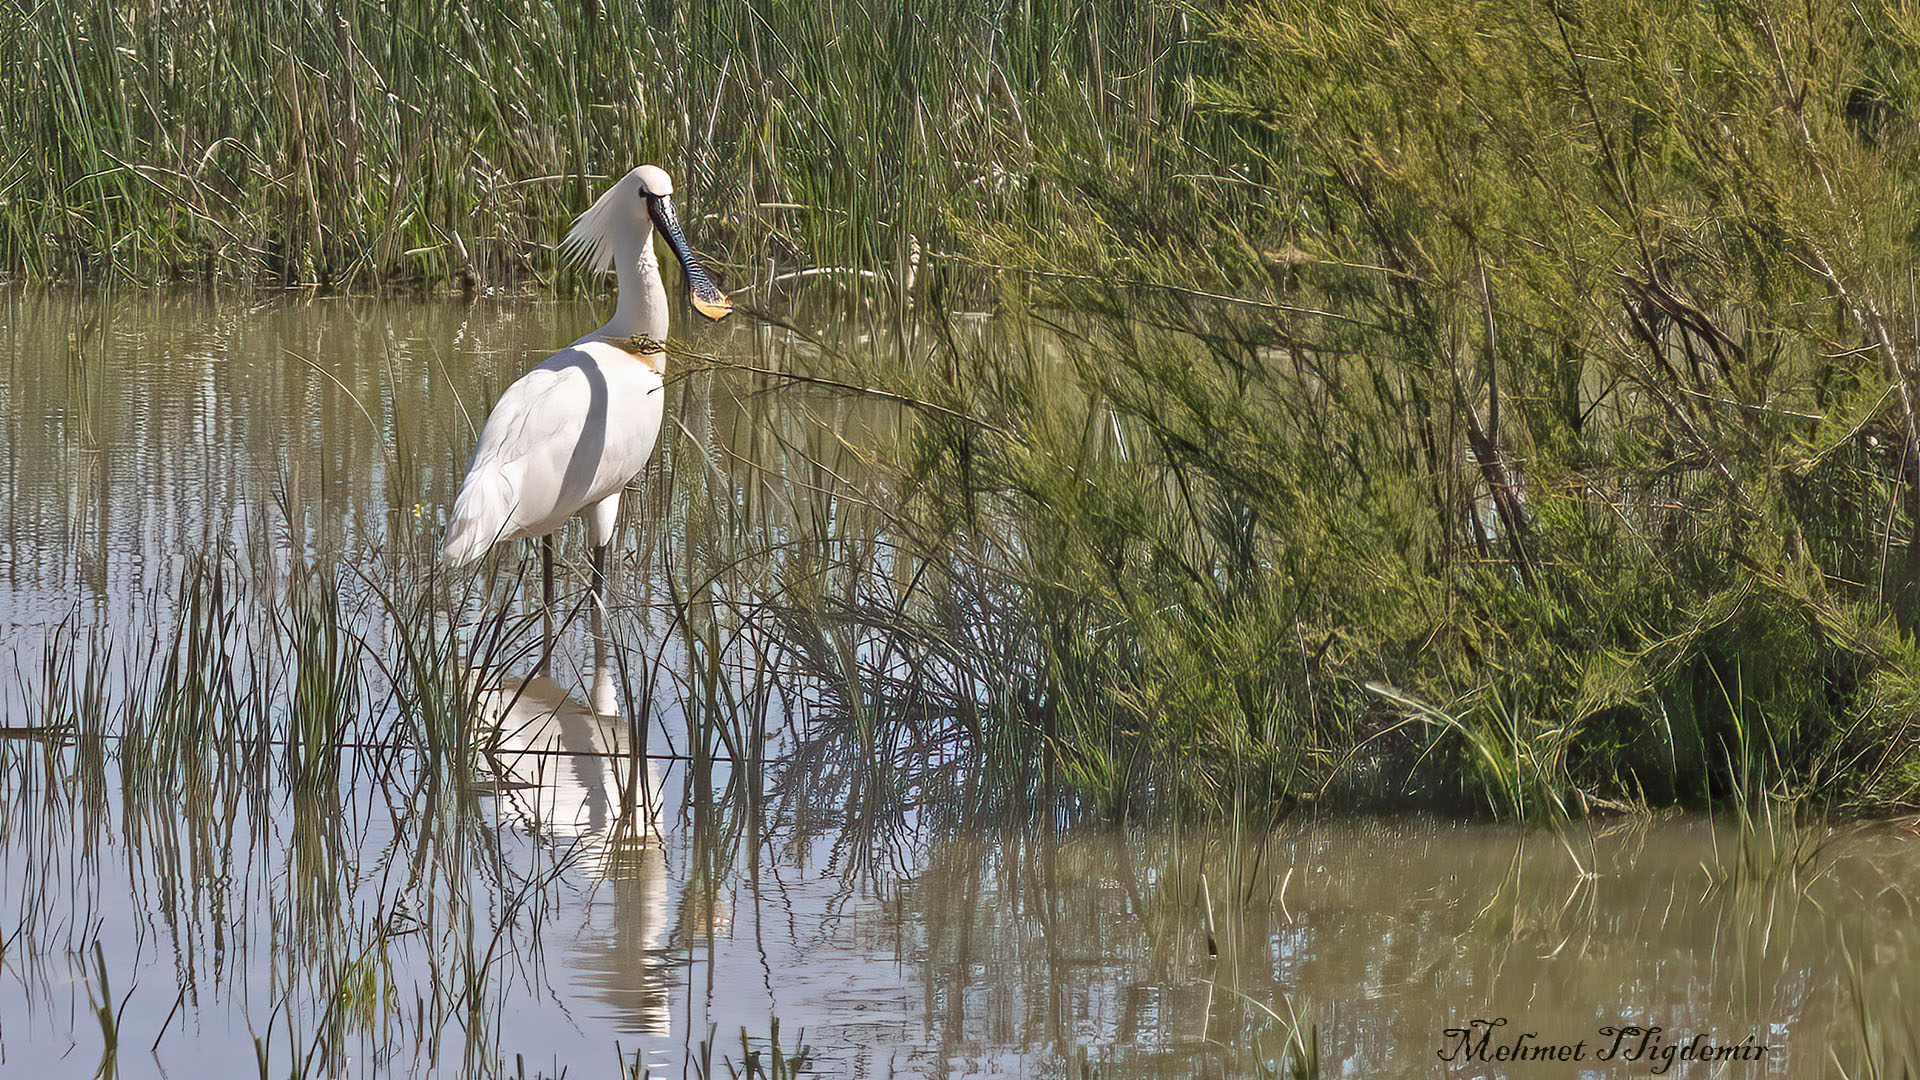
[(566, 905)]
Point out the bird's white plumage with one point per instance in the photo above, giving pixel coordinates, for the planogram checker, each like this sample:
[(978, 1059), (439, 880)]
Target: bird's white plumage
[(565, 437)]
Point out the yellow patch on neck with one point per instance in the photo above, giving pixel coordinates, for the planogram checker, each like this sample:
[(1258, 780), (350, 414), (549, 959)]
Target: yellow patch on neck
[(649, 351)]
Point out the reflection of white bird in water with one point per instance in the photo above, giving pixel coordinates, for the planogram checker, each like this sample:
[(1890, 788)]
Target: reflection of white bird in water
[(570, 777), (567, 436)]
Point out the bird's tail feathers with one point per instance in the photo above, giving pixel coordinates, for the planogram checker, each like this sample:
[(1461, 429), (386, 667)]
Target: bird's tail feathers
[(481, 517)]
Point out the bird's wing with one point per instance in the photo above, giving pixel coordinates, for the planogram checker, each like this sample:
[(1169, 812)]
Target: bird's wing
[(523, 466)]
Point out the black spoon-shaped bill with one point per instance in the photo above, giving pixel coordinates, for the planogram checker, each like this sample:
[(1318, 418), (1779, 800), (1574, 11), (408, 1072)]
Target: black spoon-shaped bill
[(708, 300)]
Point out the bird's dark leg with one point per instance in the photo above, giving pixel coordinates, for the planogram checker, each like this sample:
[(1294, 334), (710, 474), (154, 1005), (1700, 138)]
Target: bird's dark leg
[(602, 693), (546, 604), (600, 553)]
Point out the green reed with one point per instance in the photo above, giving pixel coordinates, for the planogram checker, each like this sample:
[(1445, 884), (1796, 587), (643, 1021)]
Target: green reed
[(241, 807), (362, 145), (774, 1062)]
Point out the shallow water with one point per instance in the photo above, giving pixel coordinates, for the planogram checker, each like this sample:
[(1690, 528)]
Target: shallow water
[(563, 905)]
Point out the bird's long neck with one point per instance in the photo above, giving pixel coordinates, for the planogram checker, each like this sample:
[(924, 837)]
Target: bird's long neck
[(641, 310)]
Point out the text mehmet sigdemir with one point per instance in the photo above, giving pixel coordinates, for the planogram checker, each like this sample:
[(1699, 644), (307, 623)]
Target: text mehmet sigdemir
[(1482, 1040)]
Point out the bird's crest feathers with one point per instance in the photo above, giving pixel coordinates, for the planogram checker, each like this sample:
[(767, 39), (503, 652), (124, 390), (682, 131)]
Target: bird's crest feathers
[(590, 243)]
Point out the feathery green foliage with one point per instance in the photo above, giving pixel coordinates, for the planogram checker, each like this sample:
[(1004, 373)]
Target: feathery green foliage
[(1549, 365)]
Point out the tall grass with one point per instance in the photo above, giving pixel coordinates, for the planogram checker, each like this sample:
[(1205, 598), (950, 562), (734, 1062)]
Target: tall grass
[(360, 145)]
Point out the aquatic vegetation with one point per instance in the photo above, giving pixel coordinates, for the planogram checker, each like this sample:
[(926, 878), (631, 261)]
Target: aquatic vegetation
[(1235, 357), (1149, 423)]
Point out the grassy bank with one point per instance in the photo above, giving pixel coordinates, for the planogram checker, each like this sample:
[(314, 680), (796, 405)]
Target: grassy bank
[(1407, 401)]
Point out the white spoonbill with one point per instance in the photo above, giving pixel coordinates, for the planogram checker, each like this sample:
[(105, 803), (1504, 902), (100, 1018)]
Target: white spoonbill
[(567, 436)]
